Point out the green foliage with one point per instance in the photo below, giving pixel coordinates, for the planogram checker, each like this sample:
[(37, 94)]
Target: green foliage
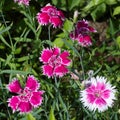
[(116, 11), (22, 39), (51, 115), (30, 117)]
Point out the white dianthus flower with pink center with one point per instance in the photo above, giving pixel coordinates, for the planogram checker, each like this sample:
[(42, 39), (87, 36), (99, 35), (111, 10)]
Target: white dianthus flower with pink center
[(26, 99), (55, 63), (99, 95)]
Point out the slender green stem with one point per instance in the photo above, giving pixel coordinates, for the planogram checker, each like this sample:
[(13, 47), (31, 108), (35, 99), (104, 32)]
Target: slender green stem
[(60, 100), (81, 63), (49, 36)]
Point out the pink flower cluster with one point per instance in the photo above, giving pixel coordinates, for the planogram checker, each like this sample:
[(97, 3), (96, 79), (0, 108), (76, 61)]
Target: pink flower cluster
[(50, 15), (81, 33), (55, 63), (99, 95), (27, 98), (24, 2)]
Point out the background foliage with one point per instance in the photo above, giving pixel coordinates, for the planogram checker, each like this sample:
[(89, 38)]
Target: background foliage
[(22, 40)]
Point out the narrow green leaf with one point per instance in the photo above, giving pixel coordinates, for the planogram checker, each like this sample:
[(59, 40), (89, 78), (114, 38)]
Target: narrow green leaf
[(21, 39), (29, 116), (9, 57), (6, 29), (30, 26), (25, 58), (51, 115), (14, 72), (4, 41)]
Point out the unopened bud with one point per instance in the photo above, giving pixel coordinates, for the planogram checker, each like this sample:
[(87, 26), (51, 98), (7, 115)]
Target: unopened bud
[(75, 16)]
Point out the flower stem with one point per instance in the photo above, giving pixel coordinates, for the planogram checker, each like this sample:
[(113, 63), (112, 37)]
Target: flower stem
[(81, 63), (49, 36)]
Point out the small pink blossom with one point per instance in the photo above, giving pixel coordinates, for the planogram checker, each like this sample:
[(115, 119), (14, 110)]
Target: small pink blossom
[(99, 95), (81, 33), (74, 76), (50, 15), (24, 2), (55, 63), (27, 98)]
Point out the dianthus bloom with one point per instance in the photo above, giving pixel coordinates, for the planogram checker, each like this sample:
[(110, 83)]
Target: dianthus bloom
[(26, 99), (81, 33), (50, 15), (99, 95), (24, 2), (55, 63)]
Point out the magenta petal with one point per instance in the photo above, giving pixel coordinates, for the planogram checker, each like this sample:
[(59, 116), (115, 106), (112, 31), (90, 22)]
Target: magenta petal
[(56, 21), (64, 58), (100, 86), (84, 40), (36, 98), (82, 24), (91, 98), (91, 29), (47, 8), (91, 89), (56, 51), (100, 101), (32, 83), (60, 13), (106, 94), (60, 70), (25, 107), (14, 86), (13, 102), (45, 55), (74, 35), (43, 18), (47, 70)]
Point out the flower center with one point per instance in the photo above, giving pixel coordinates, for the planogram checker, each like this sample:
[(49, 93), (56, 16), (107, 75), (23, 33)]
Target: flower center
[(97, 94), (25, 95), (52, 12), (54, 61)]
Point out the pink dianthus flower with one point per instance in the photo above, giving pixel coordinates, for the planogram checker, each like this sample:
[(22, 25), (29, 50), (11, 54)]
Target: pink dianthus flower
[(50, 15), (24, 2), (55, 63), (26, 99), (81, 33), (99, 95)]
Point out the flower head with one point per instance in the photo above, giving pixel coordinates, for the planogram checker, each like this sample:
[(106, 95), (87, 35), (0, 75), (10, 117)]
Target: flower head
[(55, 63), (50, 15), (99, 95), (27, 98), (24, 2), (81, 33)]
